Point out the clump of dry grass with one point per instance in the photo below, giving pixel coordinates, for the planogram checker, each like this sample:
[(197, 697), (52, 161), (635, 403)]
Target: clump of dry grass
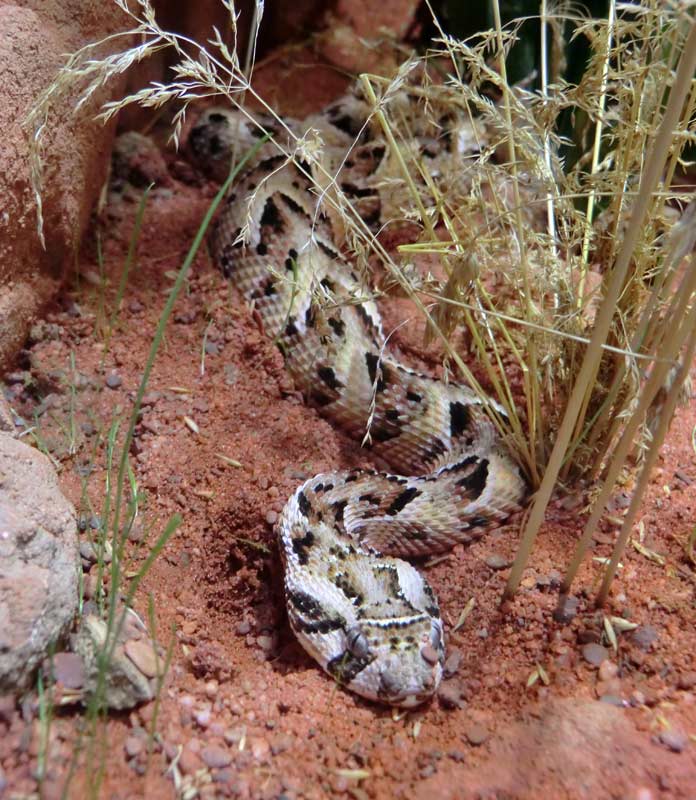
[(571, 279)]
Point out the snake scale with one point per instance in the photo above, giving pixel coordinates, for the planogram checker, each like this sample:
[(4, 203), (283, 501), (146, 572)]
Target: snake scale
[(368, 617)]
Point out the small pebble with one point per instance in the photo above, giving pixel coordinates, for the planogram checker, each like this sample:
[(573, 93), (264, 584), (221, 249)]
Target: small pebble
[(476, 734), (566, 609), (427, 771), (135, 306), (69, 670), (215, 757), (687, 681), (594, 653), (281, 743), (211, 689), (230, 373), (260, 749), (496, 561), (611, 700), (429, 654), (113, 380), (143, 656), (265, 642), (189, 763), (607, 670), (644, 636), (7, 708), (243, 628), (271, 517), (673, 740), (150, 399), (203, 717), (211, 348), (589, 635), (450, 696), (452, 662), (133, 746), (233, 735)]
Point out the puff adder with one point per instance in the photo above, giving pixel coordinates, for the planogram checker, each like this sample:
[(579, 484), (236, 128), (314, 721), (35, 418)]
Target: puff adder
[(368, 617)]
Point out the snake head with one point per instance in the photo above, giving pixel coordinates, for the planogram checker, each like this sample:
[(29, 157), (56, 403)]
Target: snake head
[(400, 665)]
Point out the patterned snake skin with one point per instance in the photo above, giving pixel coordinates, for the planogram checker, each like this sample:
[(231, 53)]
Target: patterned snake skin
[(369, 618)]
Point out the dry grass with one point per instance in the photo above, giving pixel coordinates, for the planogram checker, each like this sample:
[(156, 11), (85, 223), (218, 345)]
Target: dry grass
[(570, 280)]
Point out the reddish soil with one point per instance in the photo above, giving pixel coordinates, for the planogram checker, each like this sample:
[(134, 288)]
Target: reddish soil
[(244, 712)]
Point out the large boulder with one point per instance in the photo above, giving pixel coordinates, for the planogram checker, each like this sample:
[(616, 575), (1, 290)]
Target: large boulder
[(36, 36), (39, 562)]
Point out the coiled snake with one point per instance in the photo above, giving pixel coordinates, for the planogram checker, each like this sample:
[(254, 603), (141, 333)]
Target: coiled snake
[(369, 618)]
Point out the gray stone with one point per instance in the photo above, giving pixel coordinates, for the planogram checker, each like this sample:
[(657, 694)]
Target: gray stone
[(674, 740), (566, 609), (216, 757), (69, 670), (113, 380), (594, 653), (644, 636), (496, 561), (125, 685), (40, 562)]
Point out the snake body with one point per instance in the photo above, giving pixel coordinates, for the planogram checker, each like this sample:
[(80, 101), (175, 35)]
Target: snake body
[(369, 618)]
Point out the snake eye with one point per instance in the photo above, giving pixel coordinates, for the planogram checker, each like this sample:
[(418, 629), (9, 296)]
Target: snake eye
[(357, 643)]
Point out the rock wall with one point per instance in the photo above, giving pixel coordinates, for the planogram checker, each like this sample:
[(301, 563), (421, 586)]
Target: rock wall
[(36, 35)]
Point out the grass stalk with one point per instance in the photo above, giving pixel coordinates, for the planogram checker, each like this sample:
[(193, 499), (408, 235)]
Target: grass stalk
[(650, 459), (623, 448), (654, 165)]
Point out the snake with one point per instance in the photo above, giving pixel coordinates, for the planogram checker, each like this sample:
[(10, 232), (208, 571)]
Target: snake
[(366, 615)]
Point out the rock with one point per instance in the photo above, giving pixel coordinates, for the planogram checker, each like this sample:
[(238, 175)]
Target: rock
[(125, 685), (496, 561), (243, 627), (35, 39), (644, 636), (476, 734), (142, 654), (589, 635), (594, 653), (673, 740), (134, 745), (203, 717), (189, 762), (113, 380), (266, 643), (7, 708), (93, 555), (686, 681), (566, 609), (216, 757), (450, 695), (69, 670), (6, 416), (40, 562), (607, 670), (137, 160), (452, 662), (260, 749)]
